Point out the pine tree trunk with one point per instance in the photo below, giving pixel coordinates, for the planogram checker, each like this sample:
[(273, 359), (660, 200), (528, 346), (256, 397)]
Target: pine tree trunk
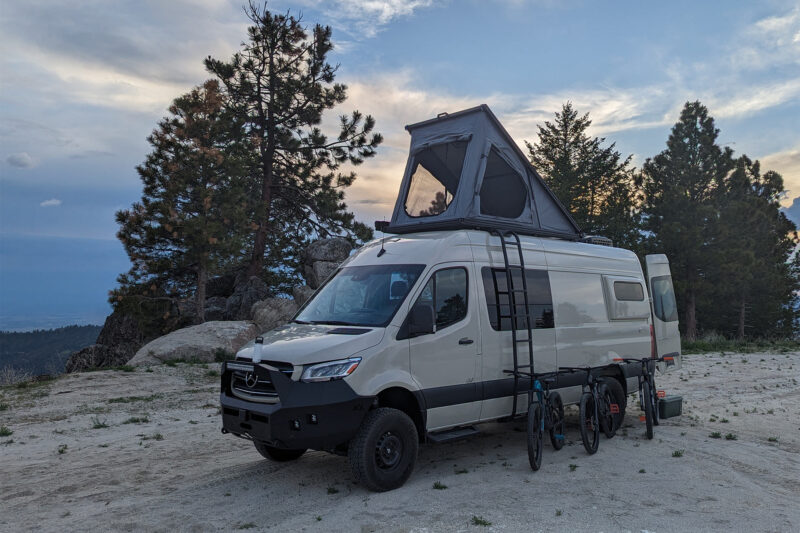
[(740, 329), (691, 317), (200, 294)]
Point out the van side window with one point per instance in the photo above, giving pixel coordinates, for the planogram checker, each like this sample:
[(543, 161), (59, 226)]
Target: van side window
[(540, 300), (664, 305), (628, 291), (447, 292)]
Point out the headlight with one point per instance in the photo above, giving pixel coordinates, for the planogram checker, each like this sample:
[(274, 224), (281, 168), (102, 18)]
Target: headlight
[(330, 370)]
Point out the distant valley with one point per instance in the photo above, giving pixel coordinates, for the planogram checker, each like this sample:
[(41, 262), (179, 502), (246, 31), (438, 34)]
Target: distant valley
[(44, 351)]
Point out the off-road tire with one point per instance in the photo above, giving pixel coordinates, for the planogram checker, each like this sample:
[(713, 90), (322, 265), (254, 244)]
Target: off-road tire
[(618, 394), (590, 426), (556, 421), (277, 454), (383, 453), (647, 400), (535, 436)]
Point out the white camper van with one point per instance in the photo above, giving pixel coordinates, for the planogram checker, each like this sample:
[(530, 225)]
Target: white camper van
[(410, 339)]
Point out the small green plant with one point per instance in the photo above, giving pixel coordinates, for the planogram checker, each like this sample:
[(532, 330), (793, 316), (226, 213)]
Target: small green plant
[(125, 368), (137, 420), (573, 467), (221, 355), (212, 374), (62, 449), (319, 518), (559, 512), (715, 435), (5, 432), (3, 407), (677, 453), (7, 442), (724, 420), (730, 436), (736, 413), (462, 471), (771, 412), (131, 399), (439, 486), (157, 436), (480, 521), (248, 525), (773, 439), (227, 494), (170, 363), (193, 422), (98, 424), (333, 490), (641, 470)]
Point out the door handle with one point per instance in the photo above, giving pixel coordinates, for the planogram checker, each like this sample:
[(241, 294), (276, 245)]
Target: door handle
[(465, 340)]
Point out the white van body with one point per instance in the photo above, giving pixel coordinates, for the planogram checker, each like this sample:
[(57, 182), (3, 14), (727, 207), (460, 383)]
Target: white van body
[(457, 374)]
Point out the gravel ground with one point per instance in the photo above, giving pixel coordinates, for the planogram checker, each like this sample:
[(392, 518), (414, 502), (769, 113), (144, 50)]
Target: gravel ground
[(142, 451)]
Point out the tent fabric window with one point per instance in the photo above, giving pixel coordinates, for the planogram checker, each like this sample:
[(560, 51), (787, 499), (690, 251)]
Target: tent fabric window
[(434, 178), (503, 192)]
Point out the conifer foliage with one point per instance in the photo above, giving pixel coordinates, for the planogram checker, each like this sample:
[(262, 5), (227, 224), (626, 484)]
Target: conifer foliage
[(279, 85), (594, 183), (188, 222)]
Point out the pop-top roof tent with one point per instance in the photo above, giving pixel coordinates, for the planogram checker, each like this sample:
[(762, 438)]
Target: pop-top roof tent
[(464, 171)]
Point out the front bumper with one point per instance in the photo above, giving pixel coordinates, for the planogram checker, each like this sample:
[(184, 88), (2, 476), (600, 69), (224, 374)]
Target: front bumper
[(317, 416)]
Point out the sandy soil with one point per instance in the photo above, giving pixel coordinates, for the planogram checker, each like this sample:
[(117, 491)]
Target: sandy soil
[(176, 471)]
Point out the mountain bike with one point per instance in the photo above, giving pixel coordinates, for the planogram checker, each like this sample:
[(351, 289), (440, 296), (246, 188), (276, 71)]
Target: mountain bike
[(648, 395), (595, 406), (545, 412)]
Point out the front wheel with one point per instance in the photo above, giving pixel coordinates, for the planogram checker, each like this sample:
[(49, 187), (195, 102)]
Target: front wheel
[(654, 393), (277, 454), (607, 422), (556, 421), (647, 400), (590, 427), (535, 435), (383, 452)]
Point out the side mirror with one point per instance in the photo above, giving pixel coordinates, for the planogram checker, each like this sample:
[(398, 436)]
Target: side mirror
[(421, 320)]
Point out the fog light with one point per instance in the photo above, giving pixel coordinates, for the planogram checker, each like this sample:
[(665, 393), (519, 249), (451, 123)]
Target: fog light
[(296, 424), (312, 419)]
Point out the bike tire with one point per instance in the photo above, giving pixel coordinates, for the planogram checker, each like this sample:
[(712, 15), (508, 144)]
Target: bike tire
[(607, 420), (654, 392), (535, 436), (556, 421), (590, 426), (647, 397)]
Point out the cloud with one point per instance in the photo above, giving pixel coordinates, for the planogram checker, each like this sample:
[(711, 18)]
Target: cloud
[(20, 160), (793, 211), (787, 164), (52, 202), (367, 17)]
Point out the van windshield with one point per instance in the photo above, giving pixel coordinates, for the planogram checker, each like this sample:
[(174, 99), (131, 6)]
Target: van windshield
[(361, 296)]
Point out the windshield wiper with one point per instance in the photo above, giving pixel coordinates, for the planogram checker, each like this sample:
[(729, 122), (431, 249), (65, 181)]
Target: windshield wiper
[(300, 322), (334, 323)]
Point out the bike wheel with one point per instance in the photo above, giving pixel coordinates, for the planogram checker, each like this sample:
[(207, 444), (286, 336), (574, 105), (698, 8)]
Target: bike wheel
[(647, 400), (654, 393), (535, 436), (607, 419), (590, 427), (556, 421)]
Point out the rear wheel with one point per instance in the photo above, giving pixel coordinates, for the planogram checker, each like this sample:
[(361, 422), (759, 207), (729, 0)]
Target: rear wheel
[(556, 421), (277, 454), (590, 427), (647, 400), (607, 422), (383, 452), (535, 435)]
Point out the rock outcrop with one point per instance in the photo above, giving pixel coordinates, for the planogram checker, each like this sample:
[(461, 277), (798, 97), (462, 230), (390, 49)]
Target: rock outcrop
[(95, 356), (322, 257), (301, 294), (201, 343), (117, 342), (240, 304), (273, 312)]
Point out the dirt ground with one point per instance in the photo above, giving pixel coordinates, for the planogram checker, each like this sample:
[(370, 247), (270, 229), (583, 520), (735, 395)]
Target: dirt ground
[(142, 451)]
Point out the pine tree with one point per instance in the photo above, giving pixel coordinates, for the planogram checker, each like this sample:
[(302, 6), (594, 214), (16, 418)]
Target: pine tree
[(186, 225), (280, 84), (594, 183), (679, 209)]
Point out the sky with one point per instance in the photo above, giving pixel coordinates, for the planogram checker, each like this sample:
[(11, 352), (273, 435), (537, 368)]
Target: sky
[(83, 83)]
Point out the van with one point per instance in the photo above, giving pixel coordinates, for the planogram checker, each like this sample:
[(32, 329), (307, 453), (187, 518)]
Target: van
[(412, 338), (407, 342)]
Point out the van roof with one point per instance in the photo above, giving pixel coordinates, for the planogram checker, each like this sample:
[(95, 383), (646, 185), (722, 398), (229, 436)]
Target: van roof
[(434, 247)]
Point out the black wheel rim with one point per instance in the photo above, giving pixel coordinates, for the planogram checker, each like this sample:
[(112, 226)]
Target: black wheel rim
[(388, 451)]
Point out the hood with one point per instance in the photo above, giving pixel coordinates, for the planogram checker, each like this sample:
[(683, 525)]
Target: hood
[(302, 344)]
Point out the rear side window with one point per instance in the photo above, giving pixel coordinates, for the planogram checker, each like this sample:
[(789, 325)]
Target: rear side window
[(540, 300), (434, 178), (664, 305), (446, 291), (627, 291)]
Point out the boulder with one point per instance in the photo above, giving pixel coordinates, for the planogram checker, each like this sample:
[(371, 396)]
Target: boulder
[(221, 285), (201, 342), (301, 294), (273, 312), (240, 303), (215, 308), (95, 356), (334, 250), (121, 332), (317, 273)]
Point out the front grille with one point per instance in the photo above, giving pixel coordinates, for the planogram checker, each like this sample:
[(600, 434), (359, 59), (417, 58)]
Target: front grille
[(261, 391)]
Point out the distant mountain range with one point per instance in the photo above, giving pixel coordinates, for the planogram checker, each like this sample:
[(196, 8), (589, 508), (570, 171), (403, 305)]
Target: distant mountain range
[(44, 351)]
